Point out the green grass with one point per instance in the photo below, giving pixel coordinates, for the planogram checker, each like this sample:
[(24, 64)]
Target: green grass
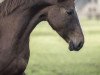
[(50, 54)]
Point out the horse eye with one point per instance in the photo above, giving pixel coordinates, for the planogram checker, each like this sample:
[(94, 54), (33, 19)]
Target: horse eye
[(71, 12), (61, 1)]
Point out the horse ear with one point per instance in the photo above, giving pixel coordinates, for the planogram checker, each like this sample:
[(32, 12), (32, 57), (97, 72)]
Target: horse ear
[(1, 1), (60, 1)]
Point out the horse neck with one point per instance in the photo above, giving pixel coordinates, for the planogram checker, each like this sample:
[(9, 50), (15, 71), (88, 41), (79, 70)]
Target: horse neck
[(40, 8), (39, 13), (37, 18)]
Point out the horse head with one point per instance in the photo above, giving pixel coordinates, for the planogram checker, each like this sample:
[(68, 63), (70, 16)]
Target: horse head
[(63, 19)]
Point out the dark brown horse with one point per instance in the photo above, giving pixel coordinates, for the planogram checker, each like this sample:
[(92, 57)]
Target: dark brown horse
[(17, 20)]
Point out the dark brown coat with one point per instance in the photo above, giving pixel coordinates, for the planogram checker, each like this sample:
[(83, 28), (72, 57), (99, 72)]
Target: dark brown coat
[(19, 17)]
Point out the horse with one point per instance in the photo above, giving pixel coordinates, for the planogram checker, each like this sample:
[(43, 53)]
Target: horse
[(17, 20)]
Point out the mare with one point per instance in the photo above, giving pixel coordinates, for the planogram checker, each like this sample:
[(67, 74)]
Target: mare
[(17, 20)]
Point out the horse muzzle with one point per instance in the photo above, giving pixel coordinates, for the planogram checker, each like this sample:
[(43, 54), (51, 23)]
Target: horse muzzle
[(75, 46)]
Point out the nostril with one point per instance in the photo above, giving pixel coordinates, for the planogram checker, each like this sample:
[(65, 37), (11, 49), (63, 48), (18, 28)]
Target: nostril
[(71, 46), (79, 45)]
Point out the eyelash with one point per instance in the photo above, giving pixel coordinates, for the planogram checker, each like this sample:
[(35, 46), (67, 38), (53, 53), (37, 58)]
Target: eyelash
[(71, 12)]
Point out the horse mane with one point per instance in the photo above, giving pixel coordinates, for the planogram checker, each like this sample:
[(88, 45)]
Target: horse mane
[(7, 6)]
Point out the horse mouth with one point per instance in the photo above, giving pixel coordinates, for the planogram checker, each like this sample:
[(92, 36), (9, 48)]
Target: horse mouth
[(75, 46)]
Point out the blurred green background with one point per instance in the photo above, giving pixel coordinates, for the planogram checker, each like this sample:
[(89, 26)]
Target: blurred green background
[(49, 54)]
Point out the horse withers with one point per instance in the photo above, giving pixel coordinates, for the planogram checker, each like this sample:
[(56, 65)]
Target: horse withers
[(17, 20)]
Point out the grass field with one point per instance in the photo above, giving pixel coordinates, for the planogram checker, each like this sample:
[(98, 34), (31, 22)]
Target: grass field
[(50, 54)]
